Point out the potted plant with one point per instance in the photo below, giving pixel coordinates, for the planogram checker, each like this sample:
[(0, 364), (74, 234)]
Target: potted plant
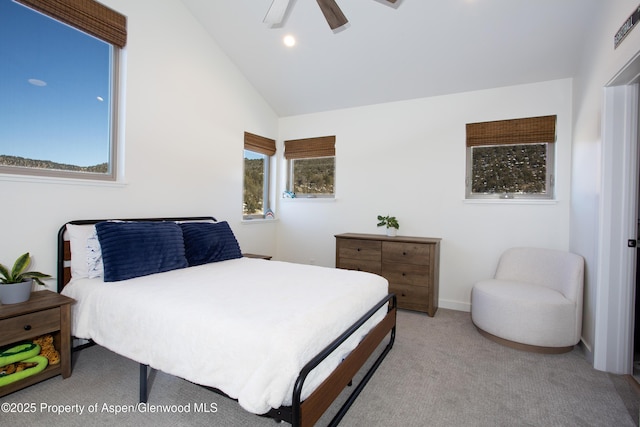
[(16, 284), (390, 222)]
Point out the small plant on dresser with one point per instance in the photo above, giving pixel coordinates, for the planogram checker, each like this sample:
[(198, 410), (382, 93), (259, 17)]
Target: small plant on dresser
[(390, 222)]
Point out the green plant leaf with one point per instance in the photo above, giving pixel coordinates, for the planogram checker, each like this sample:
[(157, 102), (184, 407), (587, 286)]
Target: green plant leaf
[(18, 273), (389, 221), (5, 273), (36, 276), (20, 265)]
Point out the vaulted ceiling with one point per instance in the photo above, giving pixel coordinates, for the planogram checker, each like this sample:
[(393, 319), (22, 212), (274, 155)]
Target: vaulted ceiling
[(391, 52)]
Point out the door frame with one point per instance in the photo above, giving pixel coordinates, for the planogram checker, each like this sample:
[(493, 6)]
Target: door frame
[(615, 293)]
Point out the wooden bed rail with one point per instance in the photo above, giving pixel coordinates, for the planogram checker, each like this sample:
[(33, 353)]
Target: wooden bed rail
[(306, 413)]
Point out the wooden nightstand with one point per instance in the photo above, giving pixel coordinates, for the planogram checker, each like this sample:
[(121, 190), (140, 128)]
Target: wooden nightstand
[(45, 312)]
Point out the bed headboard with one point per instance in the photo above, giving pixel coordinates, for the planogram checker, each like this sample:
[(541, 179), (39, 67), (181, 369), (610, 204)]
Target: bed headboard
[(64, 247)]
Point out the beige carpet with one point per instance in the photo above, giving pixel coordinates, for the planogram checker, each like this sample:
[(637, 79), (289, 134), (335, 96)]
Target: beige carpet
[(441, 372)]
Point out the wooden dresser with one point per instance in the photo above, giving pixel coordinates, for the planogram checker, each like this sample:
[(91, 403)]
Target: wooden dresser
[(410, 264)]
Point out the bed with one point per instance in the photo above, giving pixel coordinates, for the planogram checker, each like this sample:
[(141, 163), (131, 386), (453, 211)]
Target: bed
[(283, 339)]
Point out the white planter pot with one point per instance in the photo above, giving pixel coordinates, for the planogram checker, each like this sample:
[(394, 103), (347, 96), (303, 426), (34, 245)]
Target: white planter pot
[(392, 232), (15, 292)]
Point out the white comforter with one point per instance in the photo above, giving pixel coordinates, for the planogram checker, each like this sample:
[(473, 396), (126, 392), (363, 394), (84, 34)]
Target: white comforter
[(244, 326)]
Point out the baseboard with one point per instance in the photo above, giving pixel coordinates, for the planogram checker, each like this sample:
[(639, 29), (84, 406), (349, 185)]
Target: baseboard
[(454, 305), (586, 350)]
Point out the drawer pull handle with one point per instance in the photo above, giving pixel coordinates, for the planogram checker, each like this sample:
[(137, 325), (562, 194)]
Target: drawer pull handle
[(404, 253), (403, 295), (358, 249), (27, 327), (404, 274)]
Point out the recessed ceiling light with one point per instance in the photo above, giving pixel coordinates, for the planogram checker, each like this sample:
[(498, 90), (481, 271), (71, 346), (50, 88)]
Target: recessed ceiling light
[(289, 40)]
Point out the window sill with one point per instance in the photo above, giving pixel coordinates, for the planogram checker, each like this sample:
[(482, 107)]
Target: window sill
[(510, 201), (258, 221), (308, 199), (65, 181)]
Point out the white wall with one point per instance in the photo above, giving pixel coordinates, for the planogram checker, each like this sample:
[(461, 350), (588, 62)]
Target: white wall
[(602, 63), (407, 159), (186, 108)]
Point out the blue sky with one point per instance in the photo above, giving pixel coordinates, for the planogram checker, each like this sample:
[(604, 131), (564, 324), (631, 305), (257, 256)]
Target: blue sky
[(54, 89), (252, 156)]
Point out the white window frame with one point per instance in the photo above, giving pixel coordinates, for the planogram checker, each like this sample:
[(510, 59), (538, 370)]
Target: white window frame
[(517, 132), (291, 178), (113, 172), (266, 200), (549, 178)]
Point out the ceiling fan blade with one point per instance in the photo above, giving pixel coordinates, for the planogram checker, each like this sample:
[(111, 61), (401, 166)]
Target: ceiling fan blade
[(332, 13), (276, 12)]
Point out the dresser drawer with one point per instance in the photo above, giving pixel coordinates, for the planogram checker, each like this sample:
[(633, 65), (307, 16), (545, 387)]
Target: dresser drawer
[(359, 265), (410, 297), (406, 253), (363, 250), (407, 274), (29, 325)]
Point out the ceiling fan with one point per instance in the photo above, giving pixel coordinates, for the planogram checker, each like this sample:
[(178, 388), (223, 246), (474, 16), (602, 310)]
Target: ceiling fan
[(332, 13)]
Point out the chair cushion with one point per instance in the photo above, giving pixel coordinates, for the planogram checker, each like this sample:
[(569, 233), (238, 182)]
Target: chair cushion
[(524, 313), (559, 270)]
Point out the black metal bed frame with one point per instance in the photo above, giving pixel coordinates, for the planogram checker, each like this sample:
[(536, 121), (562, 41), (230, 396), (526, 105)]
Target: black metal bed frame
[(291, 414)]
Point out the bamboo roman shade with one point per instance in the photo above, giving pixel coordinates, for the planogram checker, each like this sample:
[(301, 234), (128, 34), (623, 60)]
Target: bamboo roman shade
[(259, 144), (323, 146), (85, 15), (532, 130)]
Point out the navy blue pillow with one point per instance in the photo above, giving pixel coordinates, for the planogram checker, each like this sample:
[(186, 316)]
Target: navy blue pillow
[(133, 249), (206, 242)]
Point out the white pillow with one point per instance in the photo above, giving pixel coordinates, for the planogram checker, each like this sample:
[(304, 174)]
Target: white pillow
[(94, 256), (86, 256)]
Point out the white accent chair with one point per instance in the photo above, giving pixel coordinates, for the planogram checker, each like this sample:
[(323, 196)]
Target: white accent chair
[(534, 301)]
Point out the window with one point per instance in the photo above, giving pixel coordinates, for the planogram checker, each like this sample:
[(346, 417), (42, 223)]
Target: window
[(58, 86), (257, 158), (511, 159), (311, 166)]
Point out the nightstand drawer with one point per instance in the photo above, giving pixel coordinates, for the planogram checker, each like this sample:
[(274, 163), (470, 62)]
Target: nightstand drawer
[(29, 325)]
